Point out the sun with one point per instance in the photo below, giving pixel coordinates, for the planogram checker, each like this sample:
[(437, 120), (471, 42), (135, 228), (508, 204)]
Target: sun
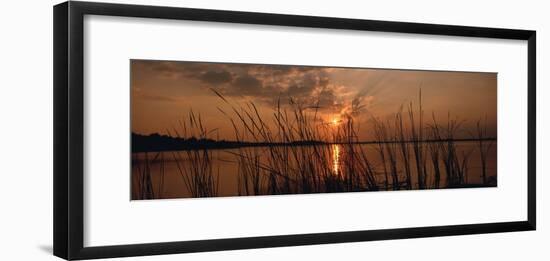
[(335, 121)]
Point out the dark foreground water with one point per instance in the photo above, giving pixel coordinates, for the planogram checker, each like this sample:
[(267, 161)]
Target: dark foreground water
[(168, 171)]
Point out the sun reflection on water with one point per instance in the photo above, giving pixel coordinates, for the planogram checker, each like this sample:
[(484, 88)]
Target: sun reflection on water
[(336, 159)]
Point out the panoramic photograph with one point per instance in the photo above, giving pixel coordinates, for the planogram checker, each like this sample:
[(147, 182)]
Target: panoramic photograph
[(205, 129)]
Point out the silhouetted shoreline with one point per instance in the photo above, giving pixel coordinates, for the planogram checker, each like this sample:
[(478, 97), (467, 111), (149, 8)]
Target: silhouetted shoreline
[(157, 142)]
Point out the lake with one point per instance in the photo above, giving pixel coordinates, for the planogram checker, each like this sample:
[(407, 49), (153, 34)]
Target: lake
[(318, 168)]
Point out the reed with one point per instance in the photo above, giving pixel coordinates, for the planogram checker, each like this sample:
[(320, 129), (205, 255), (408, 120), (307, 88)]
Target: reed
[(297, 168), (195, 166), (410, 153), (453, 166), (484, 146), (381, 136), (387, 141), (404, 146), (417, 139), (435, 149), (143, 186)]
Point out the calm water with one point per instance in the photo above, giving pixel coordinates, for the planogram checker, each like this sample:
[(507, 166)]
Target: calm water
[(172, 185)]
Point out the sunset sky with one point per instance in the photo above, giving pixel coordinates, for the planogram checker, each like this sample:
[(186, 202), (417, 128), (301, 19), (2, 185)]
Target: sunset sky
[(162, 92)]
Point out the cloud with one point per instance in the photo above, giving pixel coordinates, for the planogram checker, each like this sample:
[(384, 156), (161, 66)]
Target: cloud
[(303, 85), (216, 77), (327, 100), (247, 85), (311, 87)]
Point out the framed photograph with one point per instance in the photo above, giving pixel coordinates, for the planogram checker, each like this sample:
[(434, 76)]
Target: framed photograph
[(183, 130)]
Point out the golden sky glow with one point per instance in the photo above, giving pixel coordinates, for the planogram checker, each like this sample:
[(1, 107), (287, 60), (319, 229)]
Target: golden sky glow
[(163, 92)]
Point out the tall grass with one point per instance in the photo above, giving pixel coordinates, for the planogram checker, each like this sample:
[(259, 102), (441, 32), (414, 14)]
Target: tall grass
[(417, 139), (142, 181), (308, 155), (195, 166), (381, 135), (404, 146), (484, 146), (435, 149), (455, 163), (301, 164)]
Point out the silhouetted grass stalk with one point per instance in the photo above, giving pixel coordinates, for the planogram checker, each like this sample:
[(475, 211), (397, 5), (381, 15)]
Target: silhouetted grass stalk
[(195, 166)]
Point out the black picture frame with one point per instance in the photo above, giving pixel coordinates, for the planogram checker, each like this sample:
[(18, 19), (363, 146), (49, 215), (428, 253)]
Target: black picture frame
[(69, 119)]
